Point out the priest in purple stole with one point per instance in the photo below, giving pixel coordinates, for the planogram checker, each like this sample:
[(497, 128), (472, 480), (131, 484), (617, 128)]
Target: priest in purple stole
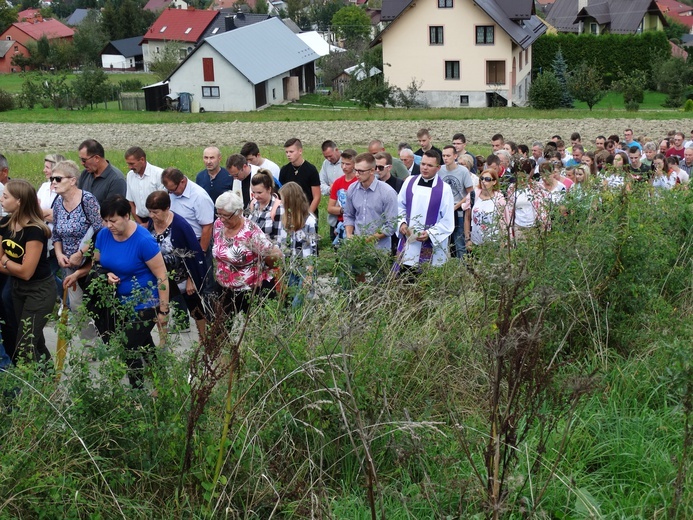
[(425, 216)]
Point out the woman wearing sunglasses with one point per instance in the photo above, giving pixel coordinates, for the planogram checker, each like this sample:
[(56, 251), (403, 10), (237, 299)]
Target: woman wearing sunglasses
[(76, 220), (487, 216)]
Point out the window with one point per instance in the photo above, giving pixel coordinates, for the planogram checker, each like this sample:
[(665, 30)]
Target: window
[(452, 70), (464, 101), (274, 93), (163, 28), (157, 50), (484, 34), (187, 31), (215, 30), (435, 35), (208, 69), (444, 4), (210, 92), (594, 28), (16, 48), (9, 38), (183, 53), (495, 72)]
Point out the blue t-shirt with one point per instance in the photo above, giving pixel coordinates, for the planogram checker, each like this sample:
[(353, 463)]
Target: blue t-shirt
[(127, 260)]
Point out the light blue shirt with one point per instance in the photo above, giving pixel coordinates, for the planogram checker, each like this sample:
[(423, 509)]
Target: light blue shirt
[(194, 205), (372, 210)]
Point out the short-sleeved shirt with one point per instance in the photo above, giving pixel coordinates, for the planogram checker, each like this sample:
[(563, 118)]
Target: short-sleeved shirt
[(339, 190), (372, 210), (195, 206), (458, 179), (222, 182), (140, 186), (110, 182), (306, 176), (128, 261), (71, 227), (237, 259), (15, 247)]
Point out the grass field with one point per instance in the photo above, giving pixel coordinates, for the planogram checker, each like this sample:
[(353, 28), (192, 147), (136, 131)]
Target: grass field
[(13, 82)]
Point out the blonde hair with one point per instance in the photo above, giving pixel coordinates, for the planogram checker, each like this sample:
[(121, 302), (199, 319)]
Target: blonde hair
[(29, 209), (69, 168), (296, 208)]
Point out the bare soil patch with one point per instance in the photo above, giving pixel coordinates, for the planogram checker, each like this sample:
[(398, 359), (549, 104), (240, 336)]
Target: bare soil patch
[(61, 137)]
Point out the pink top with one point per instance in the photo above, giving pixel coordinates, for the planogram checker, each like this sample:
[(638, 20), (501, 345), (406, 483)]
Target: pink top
[(240, 260)]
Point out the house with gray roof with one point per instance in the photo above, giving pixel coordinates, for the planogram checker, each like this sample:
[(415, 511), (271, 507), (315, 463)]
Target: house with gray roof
[(125, 54), (246, 69), (606, 16), (470, 53)]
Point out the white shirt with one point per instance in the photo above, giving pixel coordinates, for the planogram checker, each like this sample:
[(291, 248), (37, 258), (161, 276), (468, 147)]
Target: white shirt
[(194, 205), (271, 166), (139, 187)]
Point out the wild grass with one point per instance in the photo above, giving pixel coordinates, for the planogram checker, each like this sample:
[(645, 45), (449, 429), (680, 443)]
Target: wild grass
[(13, 82), (366, 400)]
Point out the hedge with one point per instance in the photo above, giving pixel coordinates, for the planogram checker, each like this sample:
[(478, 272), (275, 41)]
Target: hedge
[(609, 51)]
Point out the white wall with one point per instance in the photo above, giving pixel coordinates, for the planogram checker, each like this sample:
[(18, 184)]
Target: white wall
[(116, 61), (236, 92)]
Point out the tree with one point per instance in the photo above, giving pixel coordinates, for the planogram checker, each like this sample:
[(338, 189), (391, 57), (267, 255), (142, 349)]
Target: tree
[(586, 84), (370, 90), (166, 61), (90, 40), (632, 86), (8, 15), (560, 70), (91, 86), (321, 13), (675, 30), (261, 7), (296, 10), (545, 92), (352, 24)]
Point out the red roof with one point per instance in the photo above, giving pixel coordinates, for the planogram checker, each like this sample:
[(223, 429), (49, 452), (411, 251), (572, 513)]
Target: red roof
[(180, 25), (678, 11), (27, 14), (50, 28)]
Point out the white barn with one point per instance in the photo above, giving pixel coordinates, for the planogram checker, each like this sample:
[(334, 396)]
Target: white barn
[(247, 68)]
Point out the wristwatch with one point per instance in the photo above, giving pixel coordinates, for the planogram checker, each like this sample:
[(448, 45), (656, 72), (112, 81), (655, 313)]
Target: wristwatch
[(165, 313)]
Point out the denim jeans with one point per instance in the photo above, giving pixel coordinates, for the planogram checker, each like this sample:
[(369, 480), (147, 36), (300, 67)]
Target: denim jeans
[(457, 238)]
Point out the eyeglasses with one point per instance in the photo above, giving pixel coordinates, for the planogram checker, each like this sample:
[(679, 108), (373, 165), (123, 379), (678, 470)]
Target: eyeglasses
[(227, 217), (359, 172), (487, 179), (85, 159), (382, 167), (174, 188), (58, 179)]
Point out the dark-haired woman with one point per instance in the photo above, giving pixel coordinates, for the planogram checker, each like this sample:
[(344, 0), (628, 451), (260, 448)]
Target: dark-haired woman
[(266, 209), (132, 262), (24, 257), (182, 254)]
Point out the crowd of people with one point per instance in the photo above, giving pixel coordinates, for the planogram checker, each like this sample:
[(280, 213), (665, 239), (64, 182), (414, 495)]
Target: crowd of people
[(250, 227)]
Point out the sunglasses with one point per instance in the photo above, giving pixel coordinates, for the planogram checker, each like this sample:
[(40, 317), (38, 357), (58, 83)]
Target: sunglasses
[(487, 179), (85, 159), (381, 167), (58, 179)]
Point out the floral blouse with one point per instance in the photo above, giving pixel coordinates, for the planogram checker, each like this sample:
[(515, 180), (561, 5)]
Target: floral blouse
[(71, 227), (239, 259)]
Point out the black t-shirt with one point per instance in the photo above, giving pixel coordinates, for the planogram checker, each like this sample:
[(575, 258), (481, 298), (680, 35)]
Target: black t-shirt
[(15, 247), (306, 176), (395, 183)]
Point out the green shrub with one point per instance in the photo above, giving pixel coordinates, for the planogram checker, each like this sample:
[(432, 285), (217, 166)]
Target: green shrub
[(130, 85), (6, 101), (545, 93), (688, 106), (632, 106)]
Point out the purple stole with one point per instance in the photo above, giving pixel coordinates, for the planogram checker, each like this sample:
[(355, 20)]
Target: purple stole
[(426, 255)]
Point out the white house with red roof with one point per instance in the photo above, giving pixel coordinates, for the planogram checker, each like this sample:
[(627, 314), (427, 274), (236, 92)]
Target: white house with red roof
[(678, 12), (181, 27)]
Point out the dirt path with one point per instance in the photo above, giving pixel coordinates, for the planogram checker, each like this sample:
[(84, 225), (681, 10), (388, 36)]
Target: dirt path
[(57, 138)]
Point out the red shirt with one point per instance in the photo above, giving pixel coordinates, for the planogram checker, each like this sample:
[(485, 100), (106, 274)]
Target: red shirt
[(341, 184)]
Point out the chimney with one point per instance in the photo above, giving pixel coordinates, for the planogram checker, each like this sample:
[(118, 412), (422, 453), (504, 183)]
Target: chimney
[(228, 23), (582, 4)]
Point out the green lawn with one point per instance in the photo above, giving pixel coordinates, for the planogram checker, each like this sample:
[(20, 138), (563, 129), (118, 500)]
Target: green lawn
[(13, 82), (614, 101)]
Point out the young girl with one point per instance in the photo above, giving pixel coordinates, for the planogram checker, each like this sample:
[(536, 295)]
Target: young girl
[(302, 240), (24, 257), (266, 209)]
